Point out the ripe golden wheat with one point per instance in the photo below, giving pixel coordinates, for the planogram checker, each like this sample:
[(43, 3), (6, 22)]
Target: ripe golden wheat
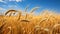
[(45, 23)]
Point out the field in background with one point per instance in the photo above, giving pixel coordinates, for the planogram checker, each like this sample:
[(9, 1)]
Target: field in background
[(18, 22)]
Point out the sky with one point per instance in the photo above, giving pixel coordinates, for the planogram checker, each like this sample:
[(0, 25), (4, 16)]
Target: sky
[(22, 4)]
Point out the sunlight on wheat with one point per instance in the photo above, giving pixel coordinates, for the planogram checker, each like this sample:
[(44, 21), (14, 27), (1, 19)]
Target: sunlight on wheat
[(45, 23)]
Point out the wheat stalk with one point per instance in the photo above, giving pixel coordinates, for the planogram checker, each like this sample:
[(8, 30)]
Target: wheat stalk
[(10, 11), (26, 15), (32, 10), (26, 11), (26, 8), (19, 15)]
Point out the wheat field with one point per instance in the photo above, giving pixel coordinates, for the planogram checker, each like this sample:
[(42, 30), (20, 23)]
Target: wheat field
[(15, 22)]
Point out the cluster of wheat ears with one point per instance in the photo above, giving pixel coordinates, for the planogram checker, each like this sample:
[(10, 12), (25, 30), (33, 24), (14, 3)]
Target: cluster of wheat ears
[(19, 22)]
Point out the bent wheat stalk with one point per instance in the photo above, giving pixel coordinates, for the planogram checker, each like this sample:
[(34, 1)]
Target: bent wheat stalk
[(32, 10), (10, 11)]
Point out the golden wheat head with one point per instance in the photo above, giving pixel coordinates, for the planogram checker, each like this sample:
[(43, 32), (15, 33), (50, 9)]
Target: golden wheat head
[(10, 11)]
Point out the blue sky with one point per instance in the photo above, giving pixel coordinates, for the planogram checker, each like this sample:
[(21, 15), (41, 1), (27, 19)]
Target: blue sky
[(21, 4)]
